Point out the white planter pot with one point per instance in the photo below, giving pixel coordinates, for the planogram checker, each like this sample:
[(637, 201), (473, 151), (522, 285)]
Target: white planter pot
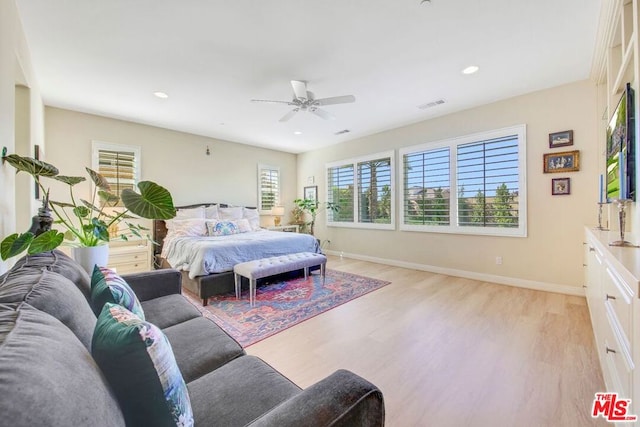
[(89, 257)]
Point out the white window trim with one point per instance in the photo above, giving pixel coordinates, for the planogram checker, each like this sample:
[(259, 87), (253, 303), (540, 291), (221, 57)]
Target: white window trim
[(356, 205), (100, 145), (453, 143), (262, 166)]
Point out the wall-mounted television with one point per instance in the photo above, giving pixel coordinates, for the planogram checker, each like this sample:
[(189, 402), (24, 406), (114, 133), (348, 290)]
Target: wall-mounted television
[(621, 181)]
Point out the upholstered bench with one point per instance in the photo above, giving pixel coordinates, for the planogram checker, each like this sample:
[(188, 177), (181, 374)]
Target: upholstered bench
[(265, 267)]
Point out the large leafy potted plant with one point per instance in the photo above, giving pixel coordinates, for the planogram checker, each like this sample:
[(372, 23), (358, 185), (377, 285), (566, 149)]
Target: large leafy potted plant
[(311, 207), (86, 223)]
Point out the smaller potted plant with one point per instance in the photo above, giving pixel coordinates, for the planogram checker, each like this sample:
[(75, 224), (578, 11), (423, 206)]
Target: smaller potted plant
[(86, 224), (311, 207)]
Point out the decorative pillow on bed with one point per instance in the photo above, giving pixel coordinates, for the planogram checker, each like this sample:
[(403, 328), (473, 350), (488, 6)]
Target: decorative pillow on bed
[(211, 212), (243, 225), (108, 287), (222, 228), (137, 360), (193, 227), (186, 213), (230, 213), (253, 217)]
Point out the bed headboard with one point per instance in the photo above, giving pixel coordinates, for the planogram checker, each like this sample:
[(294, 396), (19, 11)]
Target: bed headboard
[(160, 228)]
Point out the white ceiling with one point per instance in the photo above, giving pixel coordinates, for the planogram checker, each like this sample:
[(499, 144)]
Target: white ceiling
[(107, 57)]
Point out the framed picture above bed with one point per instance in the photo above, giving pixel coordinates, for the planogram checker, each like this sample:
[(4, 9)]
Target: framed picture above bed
[(311, 193)]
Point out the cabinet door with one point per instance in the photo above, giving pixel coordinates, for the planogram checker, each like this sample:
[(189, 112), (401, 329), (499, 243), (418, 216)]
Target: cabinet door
[(594, 269)]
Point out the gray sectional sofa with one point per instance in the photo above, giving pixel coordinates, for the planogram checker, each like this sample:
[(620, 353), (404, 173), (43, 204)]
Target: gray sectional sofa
[(48, 376)]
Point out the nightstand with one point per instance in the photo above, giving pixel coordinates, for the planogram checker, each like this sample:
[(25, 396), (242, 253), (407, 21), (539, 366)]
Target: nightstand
[(286, 228), (132, 256)]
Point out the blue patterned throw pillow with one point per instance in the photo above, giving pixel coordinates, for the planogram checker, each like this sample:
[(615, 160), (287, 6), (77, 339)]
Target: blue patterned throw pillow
[(107, 286), (222, 228), (137, 360)]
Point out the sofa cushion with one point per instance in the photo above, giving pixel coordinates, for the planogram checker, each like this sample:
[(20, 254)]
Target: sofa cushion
[(139, 364), (200, 346), (55, 295), (169, 310), (57, 262), (108, 286), (47, 377), (257, 388)]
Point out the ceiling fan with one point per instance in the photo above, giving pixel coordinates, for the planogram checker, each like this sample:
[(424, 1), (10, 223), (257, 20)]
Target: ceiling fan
[(303, 100)]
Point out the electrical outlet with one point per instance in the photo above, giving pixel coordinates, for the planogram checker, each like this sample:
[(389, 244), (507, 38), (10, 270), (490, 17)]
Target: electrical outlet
[(498, 260)]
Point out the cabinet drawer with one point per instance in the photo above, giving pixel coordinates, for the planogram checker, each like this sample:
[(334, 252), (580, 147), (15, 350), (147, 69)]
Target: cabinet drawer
[(617, 300), (617, 361), (128, 256), (130, 267)]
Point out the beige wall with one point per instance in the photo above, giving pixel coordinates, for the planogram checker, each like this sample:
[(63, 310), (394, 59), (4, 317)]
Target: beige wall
[(15, 70), (173, 159), (551, 256)]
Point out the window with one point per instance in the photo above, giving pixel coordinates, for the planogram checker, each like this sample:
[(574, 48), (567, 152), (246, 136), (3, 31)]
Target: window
[(268, 188), (487, 173), (363, 192), (118, 164)]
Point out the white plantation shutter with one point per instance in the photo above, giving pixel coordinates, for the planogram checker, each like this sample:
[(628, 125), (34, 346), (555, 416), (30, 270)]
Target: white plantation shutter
[(268, 187), (427, 188), (363, 191), (340, 185), (475, 184), (118, 164)]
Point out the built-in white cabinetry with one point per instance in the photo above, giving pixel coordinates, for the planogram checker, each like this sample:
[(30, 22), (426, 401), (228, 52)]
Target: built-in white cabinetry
[(612, 280)]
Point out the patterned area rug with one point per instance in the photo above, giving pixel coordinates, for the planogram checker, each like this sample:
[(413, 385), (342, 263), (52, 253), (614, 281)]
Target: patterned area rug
[(282, 304)]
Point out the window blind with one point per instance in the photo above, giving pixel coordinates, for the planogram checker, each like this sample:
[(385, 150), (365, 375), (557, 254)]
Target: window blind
[(340, 186), (374, 191), (488, 179), (119, 168), (427, 187), (269, 191)]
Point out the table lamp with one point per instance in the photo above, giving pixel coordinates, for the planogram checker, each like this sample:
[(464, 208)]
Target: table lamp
[(277, 212)]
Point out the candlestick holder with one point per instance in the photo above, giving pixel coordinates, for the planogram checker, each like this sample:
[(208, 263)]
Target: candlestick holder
[(600, 227), (621, 218)]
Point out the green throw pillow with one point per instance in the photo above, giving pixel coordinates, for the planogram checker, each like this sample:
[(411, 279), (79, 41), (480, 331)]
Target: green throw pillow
[(137, 360), (107, 286)]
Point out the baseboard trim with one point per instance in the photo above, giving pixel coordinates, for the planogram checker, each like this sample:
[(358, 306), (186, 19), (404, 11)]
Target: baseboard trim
[(502, 280)]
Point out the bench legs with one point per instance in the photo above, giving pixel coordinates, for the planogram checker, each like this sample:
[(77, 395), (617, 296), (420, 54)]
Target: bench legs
[(253, 283)]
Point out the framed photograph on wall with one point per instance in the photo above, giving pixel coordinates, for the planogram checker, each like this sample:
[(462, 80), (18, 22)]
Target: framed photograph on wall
[(566, 161), (311, 193), (561, 139), (560, 186)]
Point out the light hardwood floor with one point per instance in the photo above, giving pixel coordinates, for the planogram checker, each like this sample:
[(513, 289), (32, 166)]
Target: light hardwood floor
[(449, 351)]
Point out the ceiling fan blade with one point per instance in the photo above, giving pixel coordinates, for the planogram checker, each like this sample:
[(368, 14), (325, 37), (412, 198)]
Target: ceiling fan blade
[(322, 113), (268, 101), (299, 89), (345, 99), (289, 115)]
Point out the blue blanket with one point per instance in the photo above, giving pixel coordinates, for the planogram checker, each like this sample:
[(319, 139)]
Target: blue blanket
[(204, 255)]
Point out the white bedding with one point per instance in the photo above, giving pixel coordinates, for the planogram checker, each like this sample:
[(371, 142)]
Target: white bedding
[(216, 254)]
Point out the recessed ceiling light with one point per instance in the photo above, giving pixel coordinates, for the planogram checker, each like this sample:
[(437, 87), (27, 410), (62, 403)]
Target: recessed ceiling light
[(470, 69), (297, 132), (161, 95)]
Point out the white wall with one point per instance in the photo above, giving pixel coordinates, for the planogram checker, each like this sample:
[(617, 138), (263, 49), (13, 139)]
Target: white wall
[(15, 69), (551, 256), (173, 159)]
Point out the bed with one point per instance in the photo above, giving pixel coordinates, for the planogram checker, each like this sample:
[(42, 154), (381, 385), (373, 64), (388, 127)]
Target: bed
[(197, 244)]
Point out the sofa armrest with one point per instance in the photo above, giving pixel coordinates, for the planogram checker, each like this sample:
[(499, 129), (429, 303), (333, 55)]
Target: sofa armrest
[(154, 284), (341, 399)]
